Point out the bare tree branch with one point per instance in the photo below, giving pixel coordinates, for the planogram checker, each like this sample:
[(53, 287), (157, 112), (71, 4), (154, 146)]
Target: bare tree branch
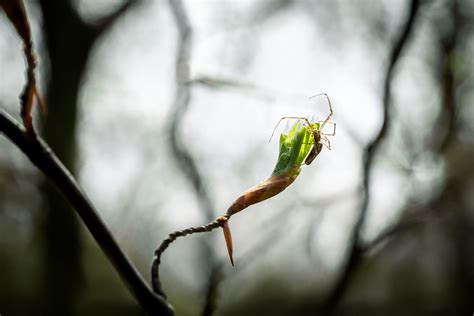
[(215, 278), (43, 157), (16, 12), (68, 41), (422, 216), (179, 151), (447, 80), (180, 106), (107, 21), (155, 272), (354, 249)]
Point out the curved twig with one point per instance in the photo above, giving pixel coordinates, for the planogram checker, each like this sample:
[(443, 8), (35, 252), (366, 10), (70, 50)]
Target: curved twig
[(181, 103), (155, 274), (354, 250), (16, 12), (44, 158), (181, 154)]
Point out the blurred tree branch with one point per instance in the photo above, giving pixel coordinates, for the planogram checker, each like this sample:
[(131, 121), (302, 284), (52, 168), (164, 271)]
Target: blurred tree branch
[(105, 23), (354, 249), (445, 125), (420, 215), (448, 41), (16, 12), (44, 158), (180, 106), (451, 211), (179, 151), (69, 41)]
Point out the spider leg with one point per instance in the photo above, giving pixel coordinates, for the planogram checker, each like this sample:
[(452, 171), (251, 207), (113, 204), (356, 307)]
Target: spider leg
[(330, 108), (333, 130), (326, 142), (289, 118)]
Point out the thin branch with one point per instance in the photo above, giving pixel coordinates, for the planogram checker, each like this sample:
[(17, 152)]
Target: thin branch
[(16, 12), (105, 23), (181, 105), (68, 40), (215, 279), (448, 42), (179, 151), (43, 157), (354, 249), (155, 273), (400, 228), (216, 273), (418, 215)]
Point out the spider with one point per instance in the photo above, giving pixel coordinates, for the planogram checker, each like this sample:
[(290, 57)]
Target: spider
[(320, 139)]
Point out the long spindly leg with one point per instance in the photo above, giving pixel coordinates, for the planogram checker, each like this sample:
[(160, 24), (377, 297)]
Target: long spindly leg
[(289, 118), (330, 108), (326, 142), (333, 130)]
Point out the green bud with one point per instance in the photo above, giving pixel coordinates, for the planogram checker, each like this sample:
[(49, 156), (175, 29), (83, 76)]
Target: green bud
[(294, 147)]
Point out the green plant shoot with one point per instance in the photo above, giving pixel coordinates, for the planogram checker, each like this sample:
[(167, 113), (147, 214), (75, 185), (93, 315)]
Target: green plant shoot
[(294, 149), (300, 146)]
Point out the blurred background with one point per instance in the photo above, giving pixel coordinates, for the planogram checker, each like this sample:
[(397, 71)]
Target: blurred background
[(163, 111)]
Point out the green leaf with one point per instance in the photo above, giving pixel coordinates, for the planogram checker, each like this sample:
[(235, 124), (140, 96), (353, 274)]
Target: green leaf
[(294, 147)]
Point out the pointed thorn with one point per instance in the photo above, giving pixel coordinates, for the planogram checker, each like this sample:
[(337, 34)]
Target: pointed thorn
[(228, 241)]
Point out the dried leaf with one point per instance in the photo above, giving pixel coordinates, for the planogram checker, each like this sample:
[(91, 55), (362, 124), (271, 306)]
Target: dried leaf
[(16, 13)]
